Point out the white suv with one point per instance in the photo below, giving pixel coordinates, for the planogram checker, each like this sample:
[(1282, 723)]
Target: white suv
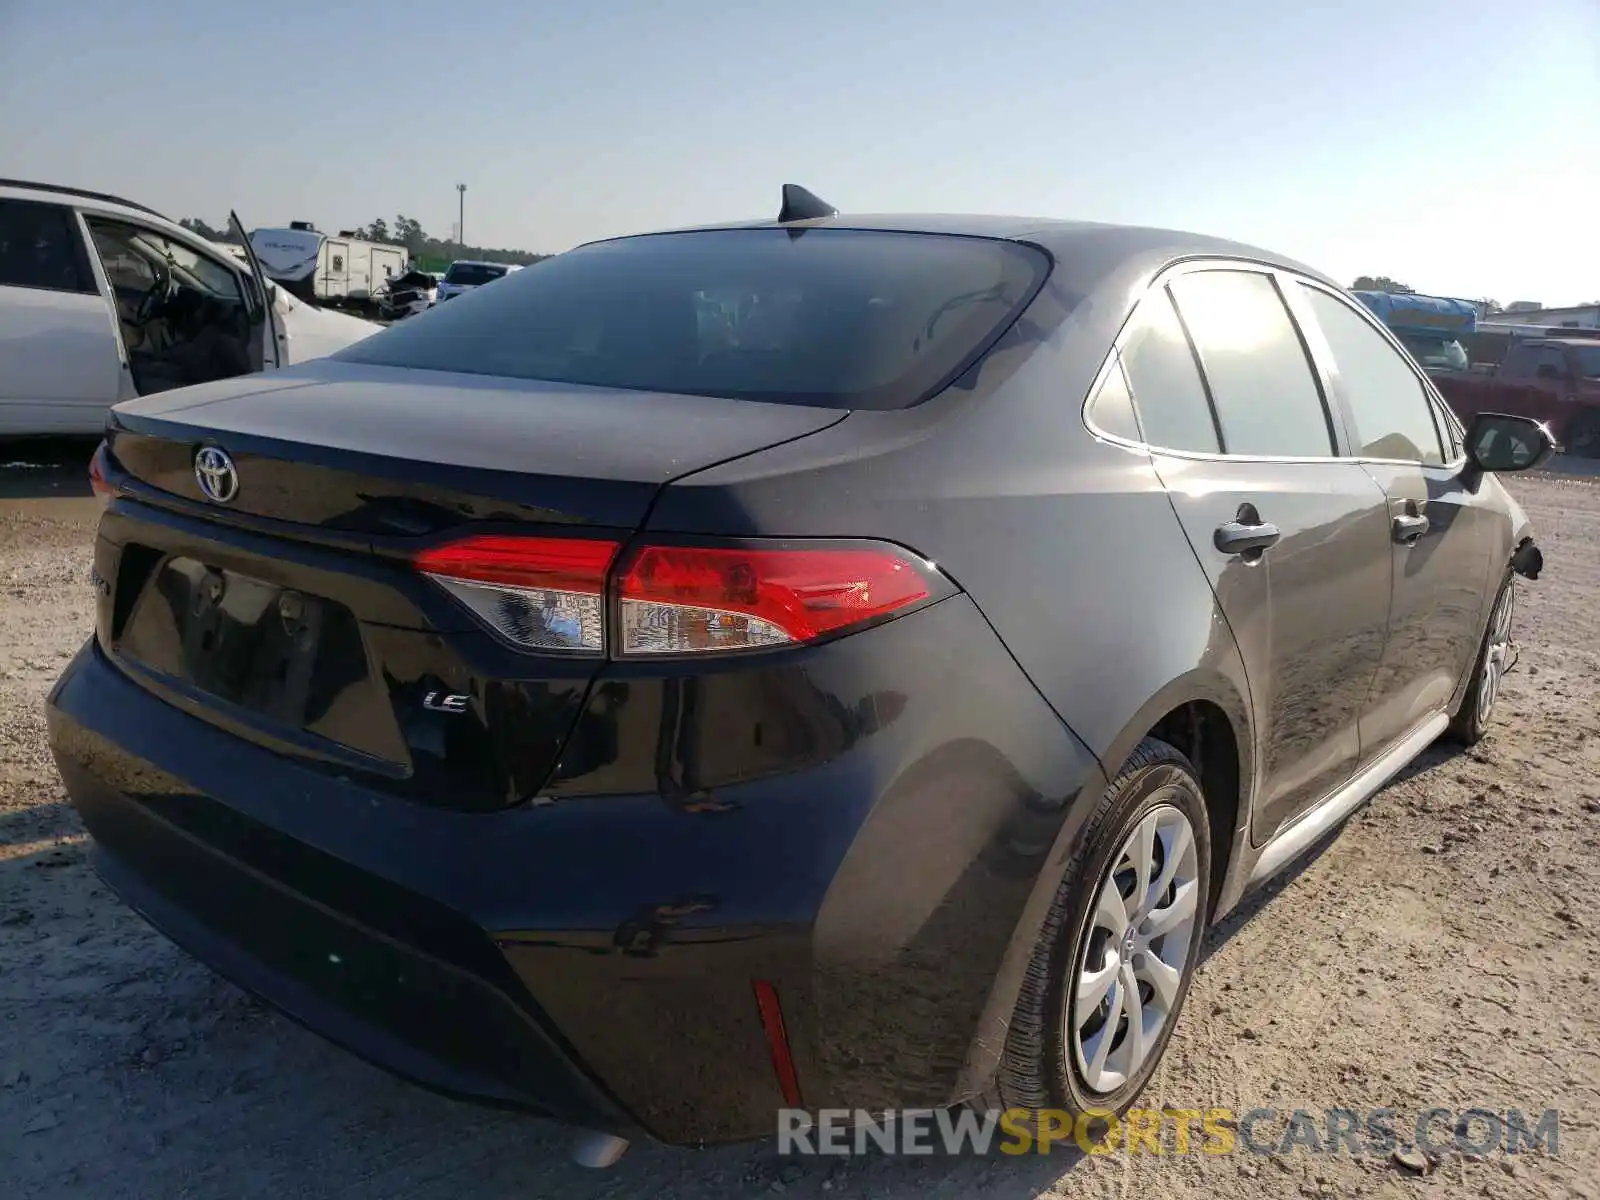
[(102, 300), (465, 274)]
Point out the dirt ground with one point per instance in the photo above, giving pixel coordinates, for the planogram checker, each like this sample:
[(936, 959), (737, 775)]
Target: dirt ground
[(1439, 952)]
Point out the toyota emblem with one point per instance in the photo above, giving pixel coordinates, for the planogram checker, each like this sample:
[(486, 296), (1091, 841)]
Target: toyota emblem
[(215, 473)]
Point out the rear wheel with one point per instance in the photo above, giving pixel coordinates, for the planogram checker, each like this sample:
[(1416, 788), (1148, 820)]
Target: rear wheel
[(1471, 720), (1118, 947)]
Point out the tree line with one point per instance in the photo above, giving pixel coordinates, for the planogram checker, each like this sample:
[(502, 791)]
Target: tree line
[(426, 251)]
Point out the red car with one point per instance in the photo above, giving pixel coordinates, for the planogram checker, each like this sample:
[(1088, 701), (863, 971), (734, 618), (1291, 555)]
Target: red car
[(1551, 379)]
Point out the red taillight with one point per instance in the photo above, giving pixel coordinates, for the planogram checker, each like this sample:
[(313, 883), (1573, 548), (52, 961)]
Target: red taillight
[(97, 475), (548, 593), (540, 593), (569, 564), (678, 599)]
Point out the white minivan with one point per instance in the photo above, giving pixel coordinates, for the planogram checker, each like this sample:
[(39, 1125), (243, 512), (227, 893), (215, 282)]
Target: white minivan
[(102, 300)]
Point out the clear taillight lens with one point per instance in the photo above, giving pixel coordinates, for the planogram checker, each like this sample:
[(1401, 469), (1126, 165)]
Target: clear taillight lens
[(688, 600), (539, 593)]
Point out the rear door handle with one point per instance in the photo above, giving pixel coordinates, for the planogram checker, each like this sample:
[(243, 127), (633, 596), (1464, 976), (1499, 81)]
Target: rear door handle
[(1236, 537), (1408, 527)]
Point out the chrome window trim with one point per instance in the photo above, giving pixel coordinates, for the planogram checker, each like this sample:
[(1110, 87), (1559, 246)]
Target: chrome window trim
[(1318, 355)]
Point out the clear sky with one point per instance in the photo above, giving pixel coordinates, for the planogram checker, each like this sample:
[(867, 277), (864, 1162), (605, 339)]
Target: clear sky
[(1454, 146)]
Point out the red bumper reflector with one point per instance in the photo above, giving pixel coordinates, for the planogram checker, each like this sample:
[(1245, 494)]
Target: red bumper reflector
[(778, 1042)]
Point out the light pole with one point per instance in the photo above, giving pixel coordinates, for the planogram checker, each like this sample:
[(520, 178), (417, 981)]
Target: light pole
[(461, 214)]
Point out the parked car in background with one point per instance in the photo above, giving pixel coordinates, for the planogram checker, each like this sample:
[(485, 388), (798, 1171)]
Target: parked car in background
[(1551, 379), (839, 661), (414, 292), (104, 300), (466, 274), (1490, 342)]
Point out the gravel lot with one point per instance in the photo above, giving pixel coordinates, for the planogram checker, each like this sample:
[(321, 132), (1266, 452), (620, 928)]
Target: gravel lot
[(1441, 951)]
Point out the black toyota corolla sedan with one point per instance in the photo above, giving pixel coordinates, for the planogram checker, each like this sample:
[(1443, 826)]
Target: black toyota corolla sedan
[(826, 662)]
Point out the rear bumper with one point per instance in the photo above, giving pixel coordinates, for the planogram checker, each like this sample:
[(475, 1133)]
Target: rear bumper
[(592, 959), (425, 1020)]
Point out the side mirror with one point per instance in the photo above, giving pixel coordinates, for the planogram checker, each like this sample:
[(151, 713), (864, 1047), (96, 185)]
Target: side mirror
[(1497, 442)]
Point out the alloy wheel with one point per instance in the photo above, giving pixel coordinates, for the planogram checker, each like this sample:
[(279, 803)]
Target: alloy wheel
[(1496, 655), (1135, 951)]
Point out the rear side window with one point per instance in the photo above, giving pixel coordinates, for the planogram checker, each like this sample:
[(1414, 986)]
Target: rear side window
[(1267, 400), (39, 248), (1392, 413), (1534, 362), (1112, 406), (472, 274), (1160, 367), (835, 318)]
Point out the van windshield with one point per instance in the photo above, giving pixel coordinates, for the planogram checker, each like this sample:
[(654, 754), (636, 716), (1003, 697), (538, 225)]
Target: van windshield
[(835, 318)]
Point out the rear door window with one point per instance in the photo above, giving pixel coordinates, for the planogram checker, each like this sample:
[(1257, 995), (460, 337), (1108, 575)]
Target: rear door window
[(40, 248), (1392, 413), (1167, 391), (829, 317), (1267, 399)]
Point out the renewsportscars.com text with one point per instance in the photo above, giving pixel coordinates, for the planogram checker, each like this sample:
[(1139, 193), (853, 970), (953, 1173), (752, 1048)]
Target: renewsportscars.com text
[(1371, 1132)]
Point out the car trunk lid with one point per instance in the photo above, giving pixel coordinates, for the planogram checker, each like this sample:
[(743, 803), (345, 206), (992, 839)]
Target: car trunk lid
[(291, 611), (321, 443)]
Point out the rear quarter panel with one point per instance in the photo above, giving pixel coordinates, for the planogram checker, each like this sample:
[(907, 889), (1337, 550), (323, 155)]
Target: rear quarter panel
[(1067, 543)]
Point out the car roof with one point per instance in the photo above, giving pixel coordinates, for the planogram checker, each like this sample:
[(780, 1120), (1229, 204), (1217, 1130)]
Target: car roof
[(1072, 243), (97, 202), (476, 262), (57, 193)]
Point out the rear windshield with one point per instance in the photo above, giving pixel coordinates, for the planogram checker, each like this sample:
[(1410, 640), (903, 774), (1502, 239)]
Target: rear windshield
[(472, 273), (829, 317)]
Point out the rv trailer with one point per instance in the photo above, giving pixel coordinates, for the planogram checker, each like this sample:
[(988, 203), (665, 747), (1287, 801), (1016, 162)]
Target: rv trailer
[(342, 271)]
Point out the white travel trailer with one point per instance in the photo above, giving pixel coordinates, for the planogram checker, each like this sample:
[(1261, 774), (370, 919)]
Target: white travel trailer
[(324, 269)]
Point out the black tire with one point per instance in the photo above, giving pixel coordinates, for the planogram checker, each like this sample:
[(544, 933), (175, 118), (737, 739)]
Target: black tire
[(1038, 1070), (1470, 722)]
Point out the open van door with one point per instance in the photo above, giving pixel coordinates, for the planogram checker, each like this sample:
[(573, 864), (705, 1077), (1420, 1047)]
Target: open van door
[(267, 353)]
